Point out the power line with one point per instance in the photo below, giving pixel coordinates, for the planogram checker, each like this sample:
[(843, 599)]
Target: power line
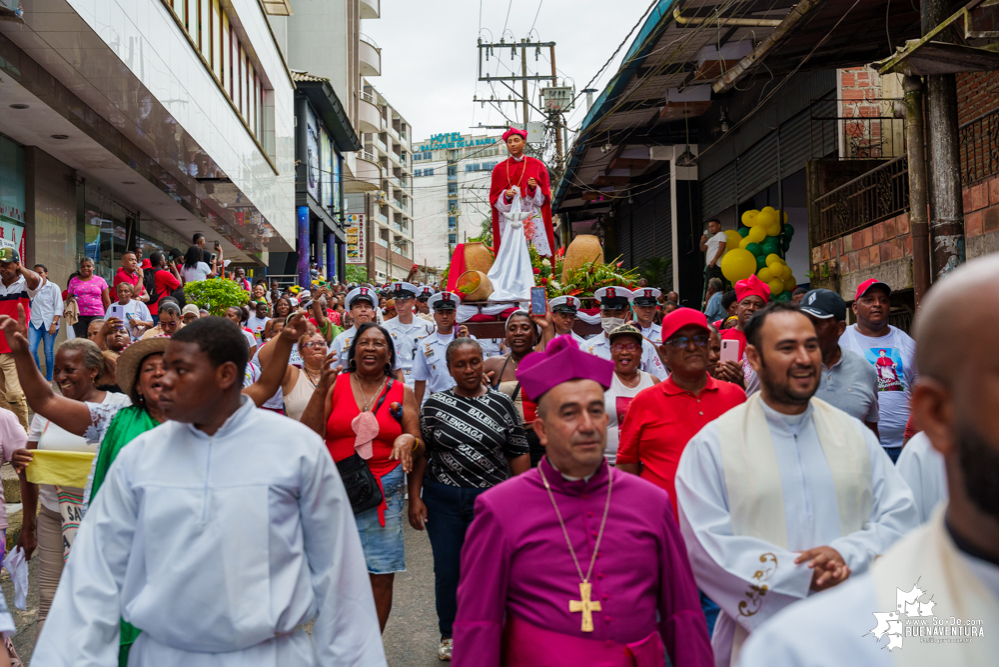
[(536, 17)]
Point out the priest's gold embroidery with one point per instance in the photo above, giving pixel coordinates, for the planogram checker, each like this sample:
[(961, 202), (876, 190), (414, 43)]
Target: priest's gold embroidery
[(756, 592)]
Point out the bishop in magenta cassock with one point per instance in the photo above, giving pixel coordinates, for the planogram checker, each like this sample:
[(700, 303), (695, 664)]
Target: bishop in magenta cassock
[(575, 563), (527, 177)]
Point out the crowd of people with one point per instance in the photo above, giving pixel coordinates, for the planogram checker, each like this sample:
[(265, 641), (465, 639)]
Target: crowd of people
[(681, 483)]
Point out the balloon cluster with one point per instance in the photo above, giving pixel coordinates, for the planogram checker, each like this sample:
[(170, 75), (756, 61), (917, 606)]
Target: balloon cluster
[(755, 248)]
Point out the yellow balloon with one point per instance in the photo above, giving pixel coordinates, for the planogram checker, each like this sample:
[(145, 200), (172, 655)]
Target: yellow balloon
[(764, 275), (756, 234), (766, 219), (733, 239), (738, 265), (748, 216), (786, 273), (744, 242), (790, 283), (773, 230), (774, 257), (785, 217), (776, 287), (768, 210)]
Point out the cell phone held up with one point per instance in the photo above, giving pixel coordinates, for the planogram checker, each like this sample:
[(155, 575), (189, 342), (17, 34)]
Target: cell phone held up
[(729, 350), (539, 302)]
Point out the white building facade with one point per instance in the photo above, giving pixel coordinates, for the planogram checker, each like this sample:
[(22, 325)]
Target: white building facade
[(451, 191)]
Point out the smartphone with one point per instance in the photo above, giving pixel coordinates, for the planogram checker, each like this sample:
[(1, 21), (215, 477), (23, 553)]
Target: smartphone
[(218, 245), (214, 257), (730, 350), (539, 302)]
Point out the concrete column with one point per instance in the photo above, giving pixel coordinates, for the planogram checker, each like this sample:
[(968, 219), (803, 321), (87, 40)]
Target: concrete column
[(303, 245)]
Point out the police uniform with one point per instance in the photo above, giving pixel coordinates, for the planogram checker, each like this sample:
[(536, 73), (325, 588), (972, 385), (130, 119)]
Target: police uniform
[(341, 344), (406, 337), (648, 296), (569, 305), (599, 345), (430, 364)]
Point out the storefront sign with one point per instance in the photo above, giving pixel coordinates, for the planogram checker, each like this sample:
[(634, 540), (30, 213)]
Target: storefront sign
[(355, 239)]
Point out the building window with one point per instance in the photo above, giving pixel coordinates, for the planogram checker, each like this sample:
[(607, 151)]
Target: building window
[(428, 172), (452, 222), (452, 188), (417, 156), (452, 239), (210, 29), (452, 170)]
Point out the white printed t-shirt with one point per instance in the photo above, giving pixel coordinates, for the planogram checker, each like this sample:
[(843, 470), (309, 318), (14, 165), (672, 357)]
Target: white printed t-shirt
[(894, 360)]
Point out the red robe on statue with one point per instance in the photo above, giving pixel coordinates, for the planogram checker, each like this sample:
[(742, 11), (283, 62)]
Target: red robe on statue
[(510, 172)]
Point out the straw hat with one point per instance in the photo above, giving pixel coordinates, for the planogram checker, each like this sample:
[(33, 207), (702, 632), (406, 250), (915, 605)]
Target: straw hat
[(131, 357)]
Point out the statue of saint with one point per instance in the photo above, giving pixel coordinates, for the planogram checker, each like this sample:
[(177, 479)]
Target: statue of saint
[(520, 185)]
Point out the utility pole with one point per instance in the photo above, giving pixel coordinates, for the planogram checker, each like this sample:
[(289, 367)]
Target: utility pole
[(946, 224), (556, 118), (523, 71), (916, 155)]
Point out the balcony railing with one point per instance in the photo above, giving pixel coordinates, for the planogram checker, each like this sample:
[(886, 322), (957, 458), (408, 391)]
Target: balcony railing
[(881, 193), (979, 146), (858, 129)]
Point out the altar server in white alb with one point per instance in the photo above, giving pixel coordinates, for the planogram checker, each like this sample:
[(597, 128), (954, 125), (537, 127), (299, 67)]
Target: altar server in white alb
[(405, 329), (933, 599), (784, 495), (218, 546), (923, 469), (614, 302)]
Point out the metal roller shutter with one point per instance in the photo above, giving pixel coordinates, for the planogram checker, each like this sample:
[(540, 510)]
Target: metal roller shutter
[(719, 191)]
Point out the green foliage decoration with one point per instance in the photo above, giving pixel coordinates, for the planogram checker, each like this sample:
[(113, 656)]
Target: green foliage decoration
[(216, 295)]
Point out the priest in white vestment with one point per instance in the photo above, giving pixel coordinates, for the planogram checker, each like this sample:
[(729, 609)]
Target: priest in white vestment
[(933, 598), (922, 468), (784, 495), (219, 534)]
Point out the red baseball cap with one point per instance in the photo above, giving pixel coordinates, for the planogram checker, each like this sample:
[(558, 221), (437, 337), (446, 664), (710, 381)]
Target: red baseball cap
[(868, 284), (683, 317)]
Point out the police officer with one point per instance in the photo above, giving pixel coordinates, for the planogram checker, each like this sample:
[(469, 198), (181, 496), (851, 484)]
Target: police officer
[(614, 302), (361, 302), (422, 309), (406, 330), (564, 310), (643, 304), (430, 366)]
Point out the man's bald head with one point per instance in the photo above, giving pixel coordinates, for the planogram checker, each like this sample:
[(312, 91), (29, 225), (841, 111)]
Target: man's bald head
[(956, 398), (961, 310)]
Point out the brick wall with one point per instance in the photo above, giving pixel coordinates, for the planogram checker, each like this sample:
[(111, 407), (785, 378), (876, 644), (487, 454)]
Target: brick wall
[(977, 94), (870, 136)]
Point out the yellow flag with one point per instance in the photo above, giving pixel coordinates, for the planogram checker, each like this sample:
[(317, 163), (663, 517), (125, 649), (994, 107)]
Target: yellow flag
[(59, 468)]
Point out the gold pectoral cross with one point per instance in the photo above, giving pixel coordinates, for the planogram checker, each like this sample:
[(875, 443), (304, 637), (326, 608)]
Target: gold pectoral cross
[(585, 605)]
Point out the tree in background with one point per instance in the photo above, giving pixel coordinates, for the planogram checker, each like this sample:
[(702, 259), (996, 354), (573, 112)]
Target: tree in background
[(216, 295), (357, 273), (658, 271)]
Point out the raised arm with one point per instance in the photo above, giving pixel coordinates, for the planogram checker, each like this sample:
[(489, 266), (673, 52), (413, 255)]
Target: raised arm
[(317, 412), (73, 416), (274, 372)]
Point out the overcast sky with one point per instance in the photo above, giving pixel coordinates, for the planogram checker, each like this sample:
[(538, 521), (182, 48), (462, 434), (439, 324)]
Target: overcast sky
[(430, 59)]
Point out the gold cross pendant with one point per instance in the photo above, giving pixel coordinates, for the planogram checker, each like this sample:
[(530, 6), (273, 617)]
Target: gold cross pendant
[(585, 605)]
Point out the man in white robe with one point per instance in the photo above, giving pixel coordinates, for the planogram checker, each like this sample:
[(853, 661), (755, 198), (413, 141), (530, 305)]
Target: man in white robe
[(922, 467), (784, 495), (219, 534), (933, 598)]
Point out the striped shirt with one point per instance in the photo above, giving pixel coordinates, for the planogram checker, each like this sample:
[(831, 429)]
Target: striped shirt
[(470, 440)]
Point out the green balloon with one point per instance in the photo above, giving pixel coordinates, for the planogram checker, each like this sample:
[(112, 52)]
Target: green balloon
[(770, 245), (784, 296), (755, 248), (787, 244), (743, 232), (788, 231), (761, 262)]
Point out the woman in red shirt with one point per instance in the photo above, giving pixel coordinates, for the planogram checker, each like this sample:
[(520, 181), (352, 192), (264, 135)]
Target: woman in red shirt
[(370, 415)]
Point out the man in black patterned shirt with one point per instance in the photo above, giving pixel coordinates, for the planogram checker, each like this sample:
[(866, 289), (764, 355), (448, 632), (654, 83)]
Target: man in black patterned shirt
[(474, 441)]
